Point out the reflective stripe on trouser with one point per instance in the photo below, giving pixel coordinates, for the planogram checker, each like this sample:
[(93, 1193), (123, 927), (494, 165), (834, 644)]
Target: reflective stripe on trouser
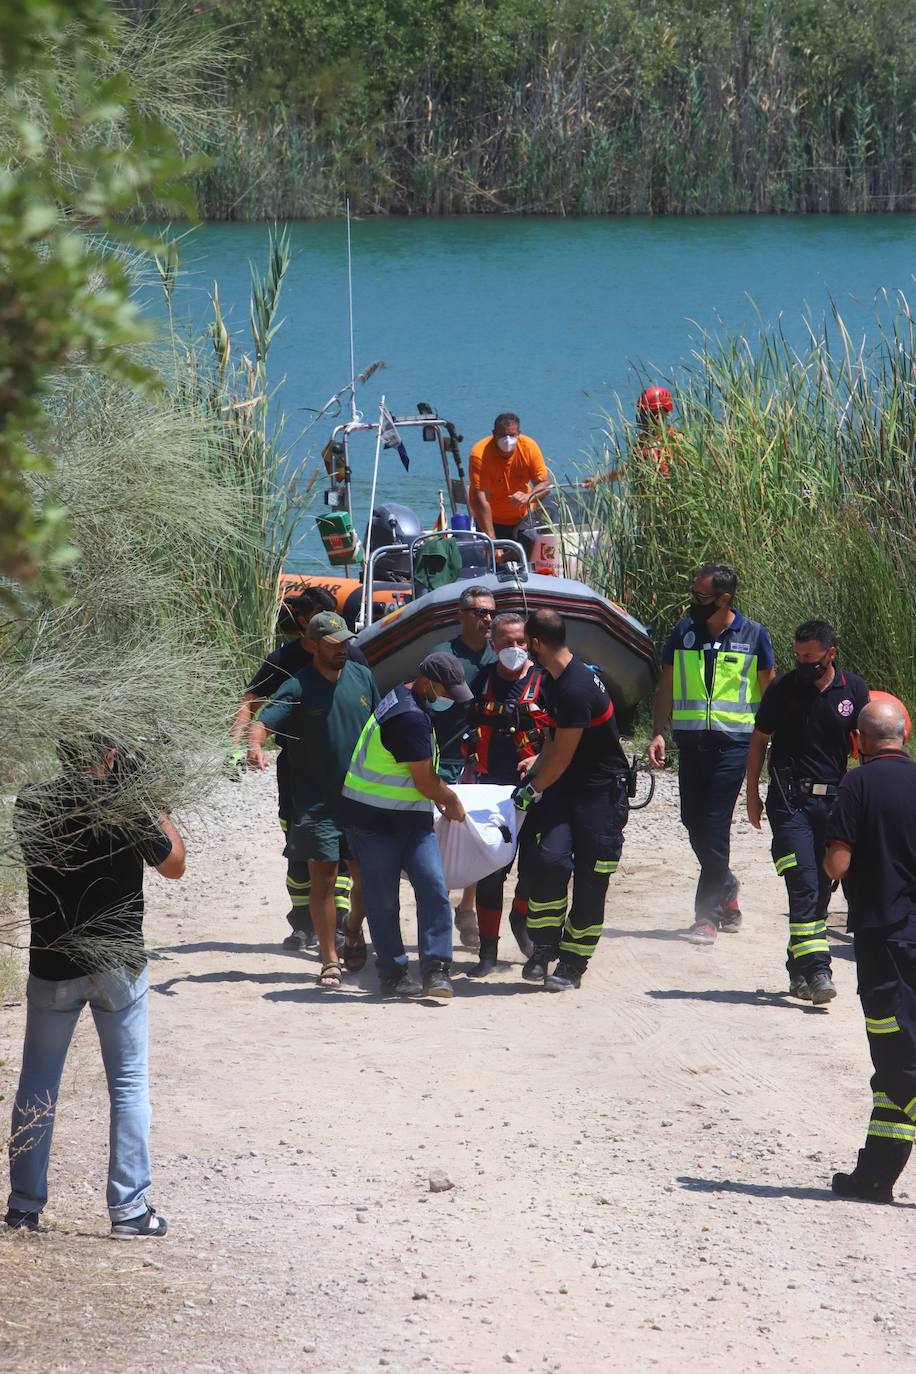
[(799, 838), (299, 887), (887, 988), (579, 835)]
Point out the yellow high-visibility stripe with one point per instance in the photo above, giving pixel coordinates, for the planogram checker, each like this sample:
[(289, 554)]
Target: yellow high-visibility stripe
[(889, 1130), (881, 1025), (607, 865), (544, 922), (882, 1100), (910, 1109), (809, 947), (785, 862), (806, 927), (568, 947), (582, 932), (284, 825), (559, 905)]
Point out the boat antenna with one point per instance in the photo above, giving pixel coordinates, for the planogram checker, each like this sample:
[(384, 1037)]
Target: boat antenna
[(354, 413)]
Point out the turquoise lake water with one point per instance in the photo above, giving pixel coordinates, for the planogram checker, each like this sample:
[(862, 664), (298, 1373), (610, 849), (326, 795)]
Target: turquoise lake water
[(552, 318)]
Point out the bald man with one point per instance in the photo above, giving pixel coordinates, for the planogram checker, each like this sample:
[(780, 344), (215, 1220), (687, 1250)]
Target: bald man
[(871, 846)]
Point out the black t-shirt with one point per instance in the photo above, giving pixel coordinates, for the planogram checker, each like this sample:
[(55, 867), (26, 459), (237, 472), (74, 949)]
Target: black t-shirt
[(85, 885), (578, 699), (811, 729), (875, 814)]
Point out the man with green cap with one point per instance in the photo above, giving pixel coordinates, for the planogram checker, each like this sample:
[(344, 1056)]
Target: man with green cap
[(320, 713)]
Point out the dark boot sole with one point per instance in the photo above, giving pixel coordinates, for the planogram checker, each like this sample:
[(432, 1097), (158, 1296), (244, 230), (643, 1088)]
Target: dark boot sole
[(823, 996)]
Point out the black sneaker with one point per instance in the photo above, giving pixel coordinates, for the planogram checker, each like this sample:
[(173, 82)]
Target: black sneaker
[(138, 1228), (436, 982), (21, 1221), (862, 1188), (400, 984), (564, 977), (821, 987), (537, 967), (729, 918), (301, 939)]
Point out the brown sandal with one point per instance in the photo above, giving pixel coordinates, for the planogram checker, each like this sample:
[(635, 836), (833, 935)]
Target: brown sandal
[(330, 976)]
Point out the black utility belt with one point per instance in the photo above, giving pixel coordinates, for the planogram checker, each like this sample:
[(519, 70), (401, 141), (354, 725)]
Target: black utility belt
[(805, 787)]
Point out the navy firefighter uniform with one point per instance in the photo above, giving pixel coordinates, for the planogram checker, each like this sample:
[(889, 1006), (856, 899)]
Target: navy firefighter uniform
[(508, 721), (875, 817), (810, 732), (578, 825), (716, 685)]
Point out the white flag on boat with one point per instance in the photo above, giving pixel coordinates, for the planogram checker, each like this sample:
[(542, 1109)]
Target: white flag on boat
[(391, 437)]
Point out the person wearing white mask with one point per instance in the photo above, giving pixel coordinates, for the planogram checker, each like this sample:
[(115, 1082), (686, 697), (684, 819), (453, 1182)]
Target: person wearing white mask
[(508, 724), (508, 474)]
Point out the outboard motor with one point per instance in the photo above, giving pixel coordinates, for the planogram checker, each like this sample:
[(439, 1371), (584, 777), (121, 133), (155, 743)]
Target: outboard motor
[(392, 524)]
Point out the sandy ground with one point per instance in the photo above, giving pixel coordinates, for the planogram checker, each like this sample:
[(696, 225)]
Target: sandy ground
[(641, 1170)]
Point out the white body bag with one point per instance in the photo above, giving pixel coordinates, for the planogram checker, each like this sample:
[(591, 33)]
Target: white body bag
[(484, 841)]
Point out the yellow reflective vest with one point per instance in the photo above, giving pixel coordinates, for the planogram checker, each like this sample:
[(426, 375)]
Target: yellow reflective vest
[(729, 706), (375, 777)]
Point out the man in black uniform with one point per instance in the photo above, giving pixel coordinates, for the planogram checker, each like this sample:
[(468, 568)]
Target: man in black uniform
[(810, 714), (508, 722), (278, 668), (579, 782), (871, 841)]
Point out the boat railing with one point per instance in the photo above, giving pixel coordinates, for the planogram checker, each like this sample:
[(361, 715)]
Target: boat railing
[(516, 564)]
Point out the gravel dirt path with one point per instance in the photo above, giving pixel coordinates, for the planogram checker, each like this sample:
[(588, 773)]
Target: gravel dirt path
[(641, 1170)]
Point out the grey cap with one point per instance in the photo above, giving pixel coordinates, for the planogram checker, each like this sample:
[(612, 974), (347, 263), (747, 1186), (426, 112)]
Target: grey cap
[(446, 669)]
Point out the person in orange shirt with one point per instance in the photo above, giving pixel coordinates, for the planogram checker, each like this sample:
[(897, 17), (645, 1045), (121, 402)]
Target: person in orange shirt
[(508, 474)]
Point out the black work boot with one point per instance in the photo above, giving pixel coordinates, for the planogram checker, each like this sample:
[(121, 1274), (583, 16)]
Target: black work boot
[(519, 927), (487, 960), (400, 982), (565, 977), (436, 982), (537, 967), (878, 1167)]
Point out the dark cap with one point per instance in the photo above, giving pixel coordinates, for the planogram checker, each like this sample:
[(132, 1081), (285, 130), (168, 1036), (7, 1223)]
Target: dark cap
[(446, 669), (329, 625)]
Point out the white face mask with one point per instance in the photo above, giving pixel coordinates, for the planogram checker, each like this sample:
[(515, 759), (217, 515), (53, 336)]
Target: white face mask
[(440, 703), (513, 658), (507, 442)]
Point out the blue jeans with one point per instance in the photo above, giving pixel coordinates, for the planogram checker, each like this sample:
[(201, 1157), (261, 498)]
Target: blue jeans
[(409, 844), (118, 1001), (709, 784)]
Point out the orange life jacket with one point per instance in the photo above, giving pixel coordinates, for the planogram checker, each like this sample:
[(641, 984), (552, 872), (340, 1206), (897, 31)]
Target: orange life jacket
[(523, 717)]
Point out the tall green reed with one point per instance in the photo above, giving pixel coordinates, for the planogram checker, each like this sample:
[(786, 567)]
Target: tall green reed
[(796, 465)]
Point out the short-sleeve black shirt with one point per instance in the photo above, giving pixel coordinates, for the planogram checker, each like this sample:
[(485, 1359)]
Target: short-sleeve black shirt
[(875, 814), (578, 699), (85, 885), (811, 730)]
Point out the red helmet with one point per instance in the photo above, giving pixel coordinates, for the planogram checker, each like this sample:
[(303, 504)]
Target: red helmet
[(656, 399)]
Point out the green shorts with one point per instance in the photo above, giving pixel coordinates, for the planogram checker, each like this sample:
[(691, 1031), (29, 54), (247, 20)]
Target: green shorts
[(315, 836)]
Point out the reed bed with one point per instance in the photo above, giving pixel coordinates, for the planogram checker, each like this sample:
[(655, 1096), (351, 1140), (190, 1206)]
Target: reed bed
[(799, 466), (560, 109)]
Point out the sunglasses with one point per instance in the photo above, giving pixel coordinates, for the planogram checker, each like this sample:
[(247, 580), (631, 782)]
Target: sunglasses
[(479, 612)]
